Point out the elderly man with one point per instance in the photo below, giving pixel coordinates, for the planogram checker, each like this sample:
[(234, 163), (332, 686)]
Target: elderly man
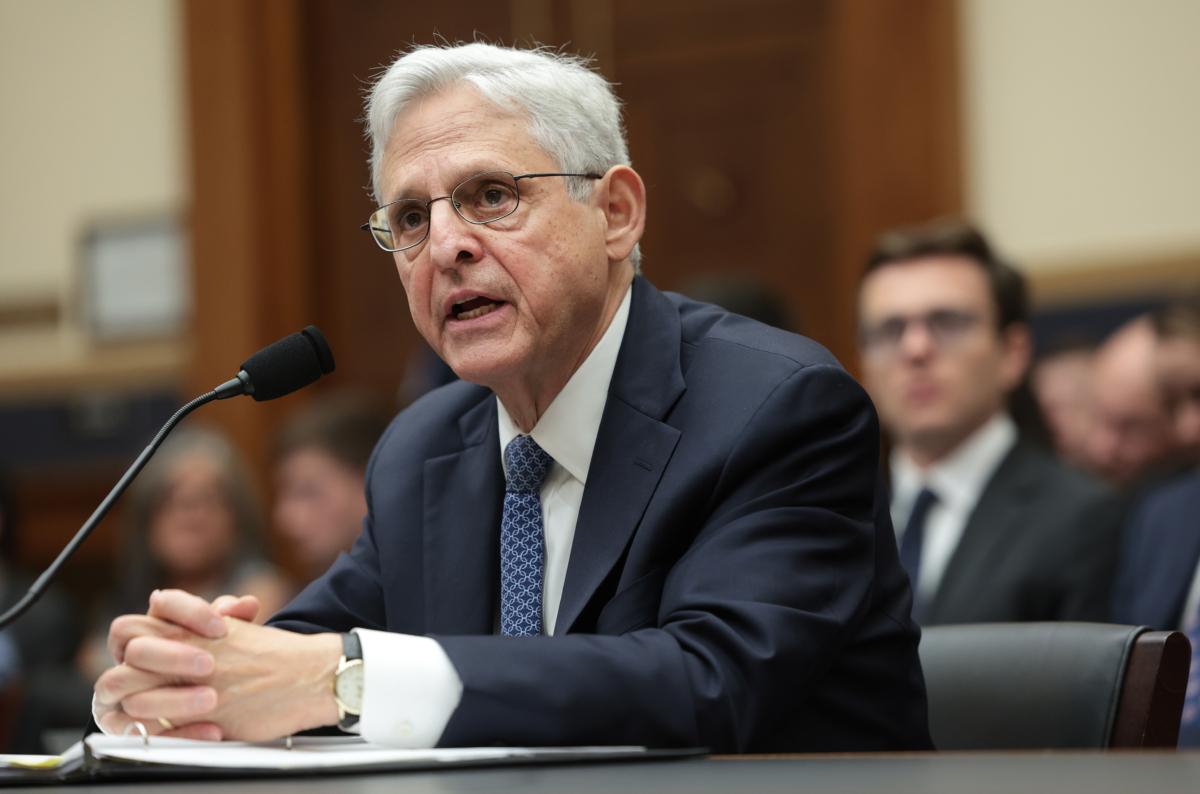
[(638, 519), (992, 528), (1131, 440)]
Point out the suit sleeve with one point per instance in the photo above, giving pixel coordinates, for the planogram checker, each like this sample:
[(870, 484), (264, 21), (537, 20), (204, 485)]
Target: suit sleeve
[(776, 577), (1090, 568)]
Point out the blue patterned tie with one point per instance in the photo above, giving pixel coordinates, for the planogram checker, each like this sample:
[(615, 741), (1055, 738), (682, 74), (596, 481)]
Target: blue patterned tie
[(913, 540), (521, 542)]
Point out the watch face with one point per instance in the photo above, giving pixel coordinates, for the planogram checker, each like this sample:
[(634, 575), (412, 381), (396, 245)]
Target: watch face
[(349, 687)]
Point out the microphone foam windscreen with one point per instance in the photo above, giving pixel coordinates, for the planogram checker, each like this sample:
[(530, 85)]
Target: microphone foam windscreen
[(289, 364)]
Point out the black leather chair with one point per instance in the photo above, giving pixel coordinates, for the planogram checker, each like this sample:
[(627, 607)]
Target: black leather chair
[(1053, 685)]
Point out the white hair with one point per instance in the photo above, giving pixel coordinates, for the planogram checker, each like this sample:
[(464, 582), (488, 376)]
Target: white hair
[(573, 113)]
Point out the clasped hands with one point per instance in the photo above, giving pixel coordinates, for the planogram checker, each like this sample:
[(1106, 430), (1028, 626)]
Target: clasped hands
[(209, 673)]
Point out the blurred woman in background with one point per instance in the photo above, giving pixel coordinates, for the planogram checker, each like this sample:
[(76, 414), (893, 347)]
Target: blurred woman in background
[(194, 523)]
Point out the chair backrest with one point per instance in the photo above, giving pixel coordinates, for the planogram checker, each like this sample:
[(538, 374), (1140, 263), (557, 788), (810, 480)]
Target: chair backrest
[(1053, 685)]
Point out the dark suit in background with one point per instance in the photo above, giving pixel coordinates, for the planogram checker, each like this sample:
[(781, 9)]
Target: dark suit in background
[(1040, 544), (733, 580), (1160, 552)]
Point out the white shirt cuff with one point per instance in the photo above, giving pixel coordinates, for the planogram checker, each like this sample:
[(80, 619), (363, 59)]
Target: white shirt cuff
[(410, 689)]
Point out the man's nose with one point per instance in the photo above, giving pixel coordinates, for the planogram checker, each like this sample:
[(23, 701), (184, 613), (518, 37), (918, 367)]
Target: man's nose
[(452, 241), (916, 341)]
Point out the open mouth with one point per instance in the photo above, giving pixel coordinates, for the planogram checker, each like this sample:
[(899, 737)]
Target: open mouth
[(476, 307)]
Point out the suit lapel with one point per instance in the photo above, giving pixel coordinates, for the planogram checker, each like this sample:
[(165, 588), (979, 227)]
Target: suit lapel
[(463, 498), (990, 526), (632, 448)]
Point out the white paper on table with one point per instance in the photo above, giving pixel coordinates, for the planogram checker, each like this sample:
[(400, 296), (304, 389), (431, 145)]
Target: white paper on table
[(313, 752)]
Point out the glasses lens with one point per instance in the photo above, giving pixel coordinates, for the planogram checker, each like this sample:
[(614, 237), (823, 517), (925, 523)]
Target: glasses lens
[(486, 197), (377, 224), (407, 222), (949, 326)]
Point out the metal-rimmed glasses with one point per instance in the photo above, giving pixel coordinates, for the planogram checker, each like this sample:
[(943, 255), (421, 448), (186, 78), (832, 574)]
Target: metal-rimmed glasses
[(946, 328), (482, 198)]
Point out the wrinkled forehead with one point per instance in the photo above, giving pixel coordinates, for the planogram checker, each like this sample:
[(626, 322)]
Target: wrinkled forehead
[(453, 133)]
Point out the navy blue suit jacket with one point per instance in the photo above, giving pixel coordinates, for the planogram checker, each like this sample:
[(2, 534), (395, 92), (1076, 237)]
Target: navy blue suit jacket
[(733, 581), (1159, 557)]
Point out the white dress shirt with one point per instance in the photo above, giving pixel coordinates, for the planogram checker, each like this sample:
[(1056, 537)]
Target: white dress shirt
[(958, 480), (410, 687)]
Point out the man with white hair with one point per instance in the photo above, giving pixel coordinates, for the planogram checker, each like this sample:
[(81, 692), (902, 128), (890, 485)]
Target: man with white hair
[(636, 520)]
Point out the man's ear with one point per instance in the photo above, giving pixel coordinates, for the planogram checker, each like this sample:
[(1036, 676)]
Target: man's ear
[(1018, 352), (622, 199)]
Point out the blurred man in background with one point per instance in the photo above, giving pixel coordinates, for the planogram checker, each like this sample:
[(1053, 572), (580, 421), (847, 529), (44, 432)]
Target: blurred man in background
[(1131, 439), (321, 457), (991, 527), (1061, 380), (1159, 578)]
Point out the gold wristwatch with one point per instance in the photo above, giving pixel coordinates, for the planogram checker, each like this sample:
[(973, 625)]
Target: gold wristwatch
[(348, 682)]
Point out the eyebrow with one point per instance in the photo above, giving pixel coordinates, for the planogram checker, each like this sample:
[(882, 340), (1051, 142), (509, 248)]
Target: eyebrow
[(462, 174)]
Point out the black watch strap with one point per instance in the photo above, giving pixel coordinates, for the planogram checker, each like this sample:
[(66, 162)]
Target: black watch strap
[(351, 646)]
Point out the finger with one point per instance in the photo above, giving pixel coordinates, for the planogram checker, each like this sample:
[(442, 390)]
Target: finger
[(187, 610), (203, 731), (127, 627), (122, 681), (168, 657), (115, 723), (181, 704), (241, 607)]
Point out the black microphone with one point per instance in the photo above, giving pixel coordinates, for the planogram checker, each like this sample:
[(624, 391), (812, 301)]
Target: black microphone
[(279, 368)]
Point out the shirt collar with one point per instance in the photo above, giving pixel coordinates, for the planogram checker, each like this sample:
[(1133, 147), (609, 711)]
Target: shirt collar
[(960, 477), (567, 430)]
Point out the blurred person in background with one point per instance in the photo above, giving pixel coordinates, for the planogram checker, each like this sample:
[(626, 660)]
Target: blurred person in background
[(1177, 363), (1158, 582), (1131, 442), (991, 527), (321, 458), (1062, 383), (193, 523), (47, 635)]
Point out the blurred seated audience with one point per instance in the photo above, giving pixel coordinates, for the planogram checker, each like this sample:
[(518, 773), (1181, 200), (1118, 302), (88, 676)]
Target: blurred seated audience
[(1131, 443), (321, 457), (47, 634), (1062, 383), (991, 526), (192, 522), (1158, 582), (1177, 362)]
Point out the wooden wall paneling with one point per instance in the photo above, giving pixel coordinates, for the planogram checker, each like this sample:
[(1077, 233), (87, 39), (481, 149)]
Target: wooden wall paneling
[(251, 210), (894, 119), (724, 125)]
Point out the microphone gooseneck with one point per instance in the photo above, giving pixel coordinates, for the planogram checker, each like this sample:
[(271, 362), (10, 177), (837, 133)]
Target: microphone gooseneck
[(278, 369)]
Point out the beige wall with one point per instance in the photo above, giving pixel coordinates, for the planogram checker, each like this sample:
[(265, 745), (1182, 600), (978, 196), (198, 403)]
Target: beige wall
[(91, 126), (1082, 128)]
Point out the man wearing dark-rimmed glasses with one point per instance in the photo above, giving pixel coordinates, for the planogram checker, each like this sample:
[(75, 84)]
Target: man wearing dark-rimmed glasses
[(637, 519), (990, 526)]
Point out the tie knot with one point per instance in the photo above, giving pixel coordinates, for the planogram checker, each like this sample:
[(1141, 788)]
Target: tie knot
[(526, 464), (926, 499)]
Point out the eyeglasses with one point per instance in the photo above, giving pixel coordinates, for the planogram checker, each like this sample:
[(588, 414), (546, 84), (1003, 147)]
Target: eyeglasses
[(946, 327), (483, 198)]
